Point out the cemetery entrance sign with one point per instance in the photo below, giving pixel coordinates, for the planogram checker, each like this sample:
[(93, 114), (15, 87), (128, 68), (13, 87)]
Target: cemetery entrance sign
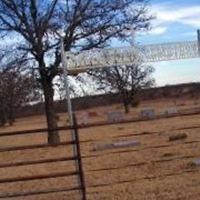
[(99, 58)]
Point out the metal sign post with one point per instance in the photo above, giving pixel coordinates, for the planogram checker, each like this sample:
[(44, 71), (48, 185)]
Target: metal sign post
[(198, 41), (66, 83), (70, 112)]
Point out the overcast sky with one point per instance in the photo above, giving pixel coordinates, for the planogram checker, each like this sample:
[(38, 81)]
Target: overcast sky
[(176, 20)]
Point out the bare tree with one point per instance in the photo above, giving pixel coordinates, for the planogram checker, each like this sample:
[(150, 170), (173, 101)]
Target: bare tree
[(84, 24), (17, 87), (126, 81)]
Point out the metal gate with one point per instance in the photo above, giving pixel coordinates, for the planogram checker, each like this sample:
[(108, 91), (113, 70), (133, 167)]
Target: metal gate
[(49, 169)]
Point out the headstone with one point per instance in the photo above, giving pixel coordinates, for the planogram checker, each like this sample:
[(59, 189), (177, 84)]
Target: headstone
[(126, 143), (114, 116), (163, 113), (194, 163), (171, 111), (100, 113), (101, 147), (93, 114), (84, 118), (119, 144), (147, 113)]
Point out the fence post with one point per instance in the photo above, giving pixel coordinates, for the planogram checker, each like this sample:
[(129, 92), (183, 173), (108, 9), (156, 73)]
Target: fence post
[(79, 158)]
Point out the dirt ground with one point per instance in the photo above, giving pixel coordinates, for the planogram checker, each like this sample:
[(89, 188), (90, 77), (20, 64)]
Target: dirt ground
[(157, 169)]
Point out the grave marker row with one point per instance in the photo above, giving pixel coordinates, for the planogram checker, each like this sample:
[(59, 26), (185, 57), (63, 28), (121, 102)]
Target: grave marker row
[(117, 116), (149, 113)]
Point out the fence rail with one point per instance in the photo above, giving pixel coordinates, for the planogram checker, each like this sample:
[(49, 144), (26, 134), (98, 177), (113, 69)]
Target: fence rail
[(36, 193), (185, 112), (79, 158), (36, 162), (38, 177), (34, 146), (42, 161)]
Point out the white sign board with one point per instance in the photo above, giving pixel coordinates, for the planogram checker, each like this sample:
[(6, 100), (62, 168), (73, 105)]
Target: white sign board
[(98, 58)]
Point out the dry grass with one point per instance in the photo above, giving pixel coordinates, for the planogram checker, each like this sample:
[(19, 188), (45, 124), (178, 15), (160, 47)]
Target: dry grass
[(158, 169)]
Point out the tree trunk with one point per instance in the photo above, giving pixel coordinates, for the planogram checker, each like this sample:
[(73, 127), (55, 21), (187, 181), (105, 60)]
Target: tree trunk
[(126, 101), (2, 118), (126, 107), (53, 135), (11, 116)]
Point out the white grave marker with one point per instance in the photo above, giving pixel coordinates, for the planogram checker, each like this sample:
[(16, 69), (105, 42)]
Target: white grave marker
[(84, 118), (129, 143), (194, 163), (172, 110), (119, 144), (147, 113), (169, 111), (114, 116)]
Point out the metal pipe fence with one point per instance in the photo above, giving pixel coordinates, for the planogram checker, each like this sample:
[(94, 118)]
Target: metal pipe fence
[(78, 158)]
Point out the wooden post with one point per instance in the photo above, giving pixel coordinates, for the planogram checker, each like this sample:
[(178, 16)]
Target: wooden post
[(81, 172), (198, 40)]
